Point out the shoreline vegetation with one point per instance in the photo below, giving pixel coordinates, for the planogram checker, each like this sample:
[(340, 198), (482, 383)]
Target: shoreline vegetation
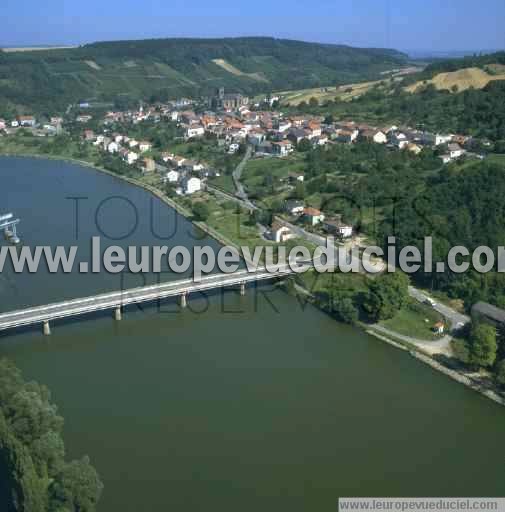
[(456, 374), (34, 473)]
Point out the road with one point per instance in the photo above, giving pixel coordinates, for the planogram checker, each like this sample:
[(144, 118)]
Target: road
[(237, 174), (226, 195), (456, 319), (117, 299)]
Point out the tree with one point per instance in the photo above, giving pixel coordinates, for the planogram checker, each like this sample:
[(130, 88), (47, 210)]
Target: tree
[(201, 211), (483, 345), (304, 145), (500, 373), (461, 350), (387, 294), (33, 473), (78, 487), (313, 103), (299, 192), (346, 310)]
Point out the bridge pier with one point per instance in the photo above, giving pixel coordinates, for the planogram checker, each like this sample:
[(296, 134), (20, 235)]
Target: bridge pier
[(46, 329), (242, 289), (184, 300), (117, 314)]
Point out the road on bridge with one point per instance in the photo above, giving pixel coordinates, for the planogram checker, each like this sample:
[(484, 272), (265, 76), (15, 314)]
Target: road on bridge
[(118, 299)]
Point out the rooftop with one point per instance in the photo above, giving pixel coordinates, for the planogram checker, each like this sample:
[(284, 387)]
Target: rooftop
[(489, 311)]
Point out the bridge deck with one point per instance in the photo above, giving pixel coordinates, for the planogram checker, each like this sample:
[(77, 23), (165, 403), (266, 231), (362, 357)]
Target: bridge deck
[(112, 300)]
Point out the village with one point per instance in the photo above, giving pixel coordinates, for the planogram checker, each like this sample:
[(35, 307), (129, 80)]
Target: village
[(234, 122)]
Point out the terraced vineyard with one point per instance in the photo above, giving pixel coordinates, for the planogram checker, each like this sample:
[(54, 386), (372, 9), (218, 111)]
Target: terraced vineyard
[(48, 80)]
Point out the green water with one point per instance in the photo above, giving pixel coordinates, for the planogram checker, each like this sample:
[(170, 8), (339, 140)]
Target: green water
[(237, 403)]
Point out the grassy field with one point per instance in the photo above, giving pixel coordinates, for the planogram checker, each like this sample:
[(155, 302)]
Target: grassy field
[(416, 320), (234, 223), (257, 170), (496, 159), (224, 182)]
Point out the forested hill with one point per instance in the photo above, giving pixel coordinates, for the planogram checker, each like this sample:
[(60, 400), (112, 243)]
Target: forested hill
[(47, 81)]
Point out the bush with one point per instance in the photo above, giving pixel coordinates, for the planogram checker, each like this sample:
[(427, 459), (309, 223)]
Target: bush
[(346, 310), (201, 211), (500, 373)]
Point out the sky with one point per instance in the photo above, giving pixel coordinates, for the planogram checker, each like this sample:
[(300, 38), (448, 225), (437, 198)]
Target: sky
[(432, 25)]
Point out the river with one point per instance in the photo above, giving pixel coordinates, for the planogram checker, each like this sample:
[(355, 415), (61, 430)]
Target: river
[(236, 403)]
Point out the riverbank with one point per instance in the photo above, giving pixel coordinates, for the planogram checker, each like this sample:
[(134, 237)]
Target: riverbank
[(471, 381), (424, 356), (474, 381)]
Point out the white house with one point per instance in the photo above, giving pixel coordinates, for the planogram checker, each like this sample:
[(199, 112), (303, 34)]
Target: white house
[(145, 146), (99, 140), (313, 216), (399, 140), (172, 176), (442, 139), (113, 147), (455, 150), (280, 233), (344, 231), (335, 227), (284, 125), (178, 161), (379, 137), (313, 129), (233, 148), (194, 131), (133, 143), (294, 207), (28, 121), (132, 157), (282, 148), (191, 185)]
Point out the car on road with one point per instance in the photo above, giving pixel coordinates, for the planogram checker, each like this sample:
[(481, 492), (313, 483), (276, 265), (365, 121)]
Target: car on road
[(430, 302)]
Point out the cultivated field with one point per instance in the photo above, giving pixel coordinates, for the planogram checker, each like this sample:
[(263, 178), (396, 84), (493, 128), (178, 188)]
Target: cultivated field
[(344, 92), (322, 94), (463, 78)]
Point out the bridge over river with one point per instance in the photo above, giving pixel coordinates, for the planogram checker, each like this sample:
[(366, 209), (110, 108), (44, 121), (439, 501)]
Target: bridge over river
[(117, 300)]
